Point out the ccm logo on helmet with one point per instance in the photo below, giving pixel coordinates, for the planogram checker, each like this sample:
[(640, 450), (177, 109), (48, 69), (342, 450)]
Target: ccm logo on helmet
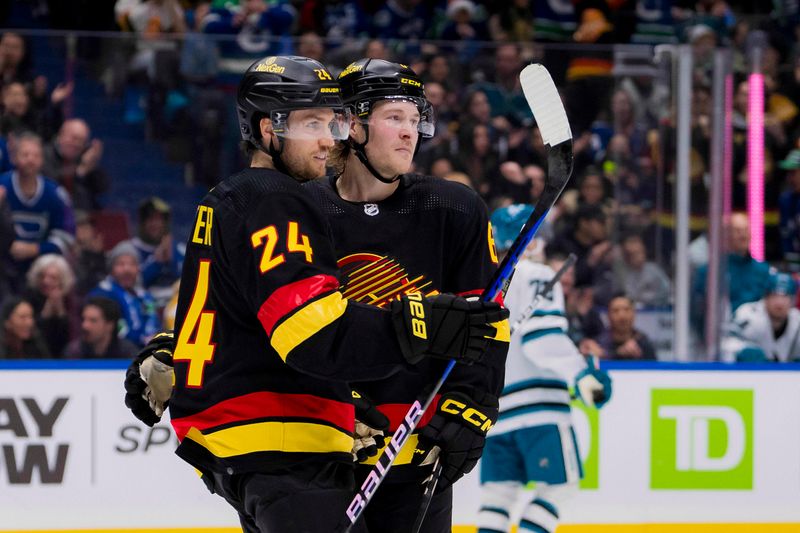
[(470, 414), (408, 81), (417, 315)]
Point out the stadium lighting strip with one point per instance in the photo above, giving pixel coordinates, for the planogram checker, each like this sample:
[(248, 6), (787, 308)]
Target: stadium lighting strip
[(755, 163)]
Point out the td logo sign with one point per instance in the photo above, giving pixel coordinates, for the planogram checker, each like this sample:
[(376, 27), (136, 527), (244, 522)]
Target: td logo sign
[(701, 439)]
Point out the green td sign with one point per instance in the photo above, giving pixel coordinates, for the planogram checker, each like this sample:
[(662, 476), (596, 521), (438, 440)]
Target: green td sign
[(701, 439)]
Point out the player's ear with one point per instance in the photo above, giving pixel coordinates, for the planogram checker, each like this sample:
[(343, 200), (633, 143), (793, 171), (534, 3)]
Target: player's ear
[(265, 128), (356, 130)]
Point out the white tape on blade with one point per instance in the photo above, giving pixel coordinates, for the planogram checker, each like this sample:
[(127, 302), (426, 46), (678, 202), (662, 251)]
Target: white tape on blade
[(545, 103)]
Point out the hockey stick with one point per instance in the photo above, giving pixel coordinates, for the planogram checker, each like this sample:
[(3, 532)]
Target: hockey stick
[(528, 312), (427, 495), (548, 110), (433, 479)]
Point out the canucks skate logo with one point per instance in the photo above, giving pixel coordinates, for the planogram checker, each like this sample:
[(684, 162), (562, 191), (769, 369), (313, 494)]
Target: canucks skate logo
[(377, 280), (371, 209)]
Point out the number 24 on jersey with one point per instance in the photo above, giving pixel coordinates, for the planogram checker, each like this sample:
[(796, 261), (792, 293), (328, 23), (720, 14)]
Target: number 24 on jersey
[(269, 238), (194, 339)]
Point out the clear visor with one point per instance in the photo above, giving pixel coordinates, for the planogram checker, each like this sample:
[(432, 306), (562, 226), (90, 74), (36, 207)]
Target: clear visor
[(402, 117), (312, 123)]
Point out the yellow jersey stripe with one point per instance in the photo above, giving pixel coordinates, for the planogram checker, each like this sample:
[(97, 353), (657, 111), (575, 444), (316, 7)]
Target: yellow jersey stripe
[(306, 322), (272, 437), (403, 458)]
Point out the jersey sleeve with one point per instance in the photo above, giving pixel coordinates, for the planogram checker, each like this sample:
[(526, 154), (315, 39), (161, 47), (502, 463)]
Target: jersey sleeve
[(293, 288), (61, 232), (472, 261)]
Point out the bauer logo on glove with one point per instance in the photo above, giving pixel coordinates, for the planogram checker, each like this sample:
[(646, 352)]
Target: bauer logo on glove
[(445, 326)]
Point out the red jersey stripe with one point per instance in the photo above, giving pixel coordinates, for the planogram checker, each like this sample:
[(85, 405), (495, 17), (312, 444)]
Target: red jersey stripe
[(269, 405), (396, 411), (289, 297)]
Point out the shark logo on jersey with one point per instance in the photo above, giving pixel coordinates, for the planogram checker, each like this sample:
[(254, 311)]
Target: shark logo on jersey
[(371, 209), (377, 280)]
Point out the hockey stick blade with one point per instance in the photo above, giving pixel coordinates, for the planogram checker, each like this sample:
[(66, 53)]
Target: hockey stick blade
[(548, 110)]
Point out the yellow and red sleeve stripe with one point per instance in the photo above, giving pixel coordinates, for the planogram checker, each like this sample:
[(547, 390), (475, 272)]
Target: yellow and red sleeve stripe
[(261, 405), (297, 311)]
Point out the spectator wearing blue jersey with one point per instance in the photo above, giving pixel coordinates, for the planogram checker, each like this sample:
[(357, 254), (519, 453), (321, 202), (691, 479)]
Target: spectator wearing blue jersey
[(123, 286), (160, 256), (5, 157), (260, 28), (402, 19), (40, 209), (337, 21), (6, 238)]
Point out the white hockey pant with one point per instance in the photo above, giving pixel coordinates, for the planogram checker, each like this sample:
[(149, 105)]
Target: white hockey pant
[(539, 516)]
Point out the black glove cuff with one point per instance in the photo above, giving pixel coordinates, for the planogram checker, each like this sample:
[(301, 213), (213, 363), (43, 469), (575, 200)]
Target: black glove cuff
[(411, 347)]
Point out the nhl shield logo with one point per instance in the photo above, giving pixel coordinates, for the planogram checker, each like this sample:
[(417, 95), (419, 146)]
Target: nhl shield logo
[(371, 209)]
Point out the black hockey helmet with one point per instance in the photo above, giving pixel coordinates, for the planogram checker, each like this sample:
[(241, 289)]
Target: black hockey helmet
[(367, 81), (275, 85)]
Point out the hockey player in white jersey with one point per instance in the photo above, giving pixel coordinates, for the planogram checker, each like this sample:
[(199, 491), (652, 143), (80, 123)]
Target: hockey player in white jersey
[(768, 329), (533, 439)]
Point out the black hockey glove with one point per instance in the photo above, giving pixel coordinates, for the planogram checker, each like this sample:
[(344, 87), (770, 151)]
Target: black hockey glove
[(370, 427), (149, 379), (458, 430), (446, 326)]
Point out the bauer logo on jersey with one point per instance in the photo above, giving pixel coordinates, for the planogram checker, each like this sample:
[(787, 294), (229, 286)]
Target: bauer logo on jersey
[(377, 280), (371, 209), (701, 439)]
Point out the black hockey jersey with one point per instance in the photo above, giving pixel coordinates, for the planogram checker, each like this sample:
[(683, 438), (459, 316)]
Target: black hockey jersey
[(265, 339), (432, 236)]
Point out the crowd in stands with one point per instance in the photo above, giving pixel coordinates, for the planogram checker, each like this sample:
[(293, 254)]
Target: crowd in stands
[(64, 287)]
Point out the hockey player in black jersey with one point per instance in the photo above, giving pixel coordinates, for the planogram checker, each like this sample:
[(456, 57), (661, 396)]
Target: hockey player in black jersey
[(396, 232), (265, 340)]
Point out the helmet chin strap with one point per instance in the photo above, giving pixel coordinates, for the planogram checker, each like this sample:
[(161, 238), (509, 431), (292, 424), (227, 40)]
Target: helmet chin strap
[(360, 150), (275, 154)]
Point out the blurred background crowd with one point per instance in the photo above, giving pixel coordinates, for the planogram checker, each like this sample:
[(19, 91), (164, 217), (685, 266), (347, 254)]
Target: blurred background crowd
[(116, 117)]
